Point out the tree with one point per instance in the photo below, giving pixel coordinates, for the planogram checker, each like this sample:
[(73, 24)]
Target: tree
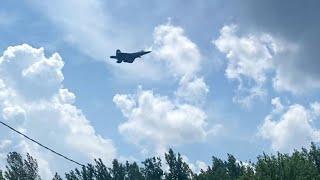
[(71, 176), (18, 168), (178, 169), (86, 173), (56, 177), (152, 169), (235, 170), (303, 164), (118, 170), (217, 171), (1, 175), (314, 155), (133, 171), (248, 172), (101, 171)]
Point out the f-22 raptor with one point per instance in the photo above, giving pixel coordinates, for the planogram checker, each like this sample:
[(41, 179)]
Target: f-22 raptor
[(128, 57)]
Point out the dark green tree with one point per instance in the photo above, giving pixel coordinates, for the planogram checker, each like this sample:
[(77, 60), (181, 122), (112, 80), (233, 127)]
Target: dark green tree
[(56, 177), (314, 156), (248, 172), (118, 170), (101, 171), (86, 173), (1, 175), (235, 169), (303, 164), (18, 168), (285, 166), (71, 176), (152, 169), (217, 171), (178, 169), (133, 171)]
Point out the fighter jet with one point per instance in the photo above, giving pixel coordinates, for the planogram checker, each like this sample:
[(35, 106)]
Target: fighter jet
[(128, 57)]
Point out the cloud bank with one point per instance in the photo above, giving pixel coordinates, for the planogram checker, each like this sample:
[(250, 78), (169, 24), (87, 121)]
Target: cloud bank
[(291, 127), (33, 100)]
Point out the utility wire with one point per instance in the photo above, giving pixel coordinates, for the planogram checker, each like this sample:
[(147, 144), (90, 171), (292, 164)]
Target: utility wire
[(53, 151)]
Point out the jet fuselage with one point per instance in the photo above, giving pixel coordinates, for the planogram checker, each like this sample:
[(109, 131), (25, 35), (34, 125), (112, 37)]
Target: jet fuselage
[(128, 57)]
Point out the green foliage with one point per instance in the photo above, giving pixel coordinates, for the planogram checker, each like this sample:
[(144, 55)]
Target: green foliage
[(118, 170), (1, 175), (133, 171), (303, 164), (230, 169), (90, 172), (152, 169), (57, 177), (101, 171), (283, 166), (178, 170), (234, 168), (20, 169)]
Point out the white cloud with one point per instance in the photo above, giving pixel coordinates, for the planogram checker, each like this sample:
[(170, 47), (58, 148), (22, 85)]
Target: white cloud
[(192, 90), (278, 107), (156, 122), (248, 56), (252, 56), (32, 99), (5, 143), (289, 77), (250, 59), (201, 166), (197, 166), (180, 54), (13, 113), (246, 96), (293, 129), (315, 108)]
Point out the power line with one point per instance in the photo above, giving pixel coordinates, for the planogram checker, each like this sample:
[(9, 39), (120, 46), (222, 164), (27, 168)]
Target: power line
[(55, 152)]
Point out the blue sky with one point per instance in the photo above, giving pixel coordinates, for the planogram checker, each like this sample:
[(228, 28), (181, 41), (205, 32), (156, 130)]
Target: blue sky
[(237, 77)]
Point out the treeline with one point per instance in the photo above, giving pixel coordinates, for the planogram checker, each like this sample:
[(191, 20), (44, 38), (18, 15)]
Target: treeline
[(302, 164)]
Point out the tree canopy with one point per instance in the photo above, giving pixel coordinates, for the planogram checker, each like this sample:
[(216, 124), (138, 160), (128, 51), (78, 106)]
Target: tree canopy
[(301, 164)]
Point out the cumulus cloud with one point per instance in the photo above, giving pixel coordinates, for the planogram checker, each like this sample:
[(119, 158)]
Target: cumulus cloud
[(180, 54), (290, 78), (156, 122), (33, 99), (192, 90), (248, 56), (249, 59), (278, 107), (183, 60), (297, 72), (291, 129), (255, 58)]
